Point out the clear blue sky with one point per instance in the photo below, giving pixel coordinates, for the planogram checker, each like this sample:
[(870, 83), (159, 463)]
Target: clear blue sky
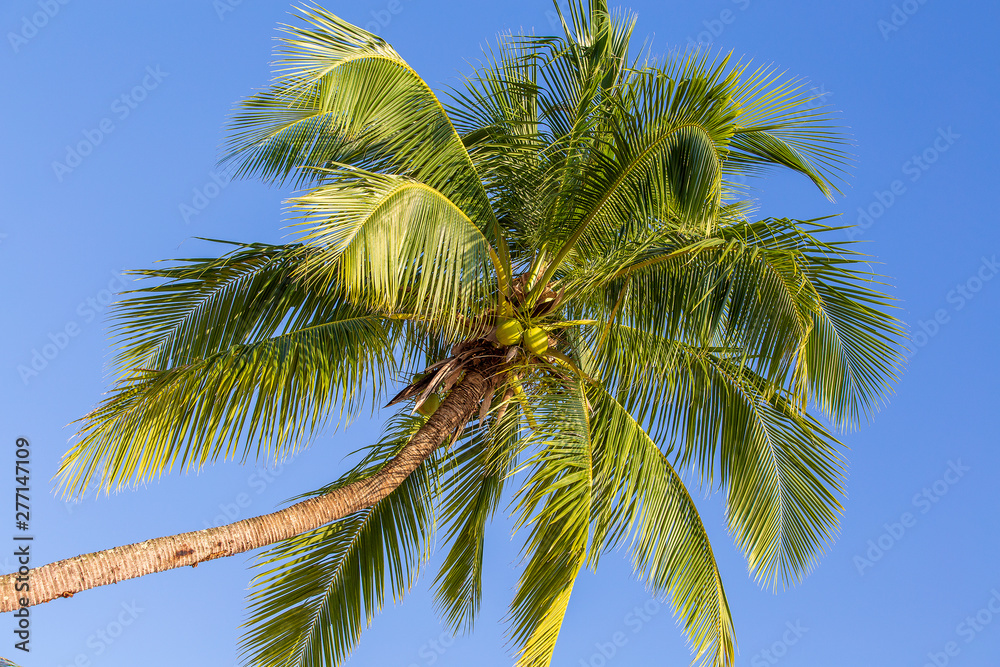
[(916, 100)]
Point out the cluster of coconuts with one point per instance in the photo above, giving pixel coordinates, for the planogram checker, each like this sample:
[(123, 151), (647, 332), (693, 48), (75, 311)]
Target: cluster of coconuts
[(510, 332)]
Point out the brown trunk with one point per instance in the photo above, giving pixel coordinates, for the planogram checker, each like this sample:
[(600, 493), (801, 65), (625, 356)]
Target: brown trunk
[(67, 577)]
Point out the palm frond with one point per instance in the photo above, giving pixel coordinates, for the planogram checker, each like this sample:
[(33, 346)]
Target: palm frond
[(777, 124), (639, 495), (854, 351), (316, 592), (771, 291), (200, 307), (263, 399), (471, 491), (397, 245), (781, 469), (555, 501), (343, 95)]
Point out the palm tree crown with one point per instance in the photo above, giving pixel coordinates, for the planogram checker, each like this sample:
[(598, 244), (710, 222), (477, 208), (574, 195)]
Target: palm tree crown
[(567, 230)]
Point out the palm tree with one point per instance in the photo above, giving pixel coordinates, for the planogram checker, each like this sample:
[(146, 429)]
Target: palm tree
[(562, 269)]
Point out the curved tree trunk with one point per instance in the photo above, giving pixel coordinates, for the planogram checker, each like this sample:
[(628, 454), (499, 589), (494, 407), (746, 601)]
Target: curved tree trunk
[(67, 577)]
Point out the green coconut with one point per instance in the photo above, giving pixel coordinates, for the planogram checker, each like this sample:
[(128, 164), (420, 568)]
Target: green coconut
[(536, 340), (509, 332), (428, 407)]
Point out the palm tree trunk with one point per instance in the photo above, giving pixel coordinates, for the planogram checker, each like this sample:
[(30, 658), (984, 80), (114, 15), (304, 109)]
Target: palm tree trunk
[(64, 578)]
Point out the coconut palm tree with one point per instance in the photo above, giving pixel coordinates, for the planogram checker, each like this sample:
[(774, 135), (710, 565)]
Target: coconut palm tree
[(584, 312)]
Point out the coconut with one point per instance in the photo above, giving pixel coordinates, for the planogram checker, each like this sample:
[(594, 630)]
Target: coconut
[(428, 407), (509, 332), (536, 340)]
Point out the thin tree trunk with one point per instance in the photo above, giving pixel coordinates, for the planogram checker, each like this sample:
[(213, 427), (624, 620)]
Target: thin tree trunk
[(66, 577)]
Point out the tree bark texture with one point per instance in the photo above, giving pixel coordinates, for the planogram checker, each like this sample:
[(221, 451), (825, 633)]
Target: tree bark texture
[(67, 577)]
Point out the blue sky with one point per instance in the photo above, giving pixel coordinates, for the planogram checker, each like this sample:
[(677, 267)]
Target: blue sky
[(148, 86)]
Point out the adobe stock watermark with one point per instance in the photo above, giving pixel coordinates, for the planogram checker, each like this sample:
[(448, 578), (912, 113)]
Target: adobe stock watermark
[(203, 195), (924, 500), (32, 23), (773, 654), (99, 641), (432, 650), (121, 107), (223, 7), (57, 341), (258, 482), (635, 620), (816, 97), (914, 169), (970, 628), (900, 16), (383, 17), (714, 27), (958, 297)]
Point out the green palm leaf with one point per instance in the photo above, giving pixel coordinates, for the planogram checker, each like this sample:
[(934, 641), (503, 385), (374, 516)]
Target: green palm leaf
[(555, 501), (203, 306), (396, 244), (263, 398), (781, 469), (471, 491), (638, 493), (343, 95), (316, 592)]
